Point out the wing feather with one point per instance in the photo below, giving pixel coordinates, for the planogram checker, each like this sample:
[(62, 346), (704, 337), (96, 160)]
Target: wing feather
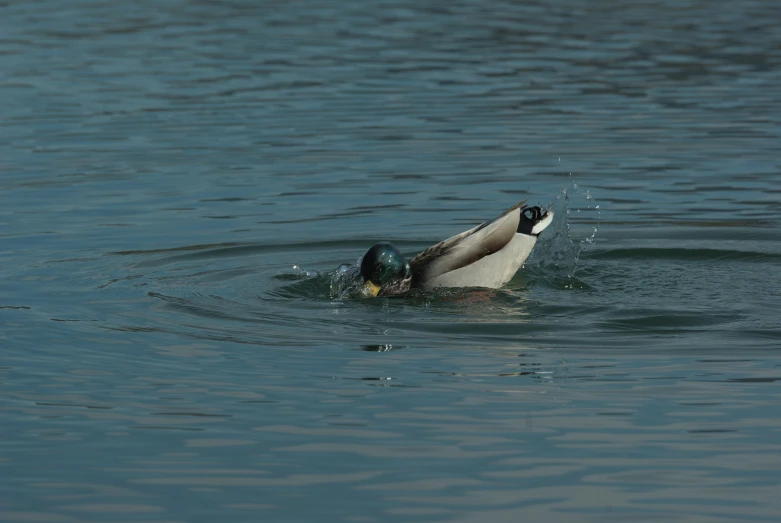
[(468, 247)]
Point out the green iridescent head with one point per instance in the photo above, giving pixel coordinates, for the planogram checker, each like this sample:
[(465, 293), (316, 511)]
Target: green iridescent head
[(383, 268)]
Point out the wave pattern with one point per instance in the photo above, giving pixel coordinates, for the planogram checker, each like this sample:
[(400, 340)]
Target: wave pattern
[(179, 180)]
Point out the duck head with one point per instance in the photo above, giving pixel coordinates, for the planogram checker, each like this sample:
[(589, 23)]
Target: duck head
[(385, 271)]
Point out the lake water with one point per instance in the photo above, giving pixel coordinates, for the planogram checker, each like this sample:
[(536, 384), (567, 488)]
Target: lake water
[(180, 179)]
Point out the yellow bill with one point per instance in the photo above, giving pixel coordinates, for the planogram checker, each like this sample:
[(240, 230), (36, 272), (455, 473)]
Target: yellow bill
[(370, 289)]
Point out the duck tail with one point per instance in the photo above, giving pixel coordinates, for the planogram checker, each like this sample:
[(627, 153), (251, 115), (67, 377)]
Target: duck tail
[(534, 220)]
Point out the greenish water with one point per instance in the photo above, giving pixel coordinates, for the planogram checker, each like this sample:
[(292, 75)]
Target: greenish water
[(179, 180)]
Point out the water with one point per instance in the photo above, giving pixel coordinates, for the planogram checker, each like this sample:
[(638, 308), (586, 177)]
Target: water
[(180, 180)]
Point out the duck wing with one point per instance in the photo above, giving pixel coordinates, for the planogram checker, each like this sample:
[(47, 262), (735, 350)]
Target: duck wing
[(468, 247)]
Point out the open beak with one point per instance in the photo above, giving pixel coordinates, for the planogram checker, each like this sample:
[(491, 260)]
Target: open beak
[(370, 289)]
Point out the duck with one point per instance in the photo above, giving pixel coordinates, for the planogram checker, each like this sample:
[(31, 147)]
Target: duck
[(487, 255)]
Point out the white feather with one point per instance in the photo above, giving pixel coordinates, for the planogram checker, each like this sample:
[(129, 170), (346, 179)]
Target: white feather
[(496, 269)]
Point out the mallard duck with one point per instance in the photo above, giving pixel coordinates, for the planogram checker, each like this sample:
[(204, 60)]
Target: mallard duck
[(488, 255)]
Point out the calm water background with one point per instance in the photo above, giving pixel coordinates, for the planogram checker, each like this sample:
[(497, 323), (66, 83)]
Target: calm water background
[(180, 179)]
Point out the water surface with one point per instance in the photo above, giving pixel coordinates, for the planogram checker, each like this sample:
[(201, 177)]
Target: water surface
[(180, 180)]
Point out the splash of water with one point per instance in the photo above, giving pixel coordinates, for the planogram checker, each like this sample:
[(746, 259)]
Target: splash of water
[(345, 282), (296, 273), (560, 248)]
